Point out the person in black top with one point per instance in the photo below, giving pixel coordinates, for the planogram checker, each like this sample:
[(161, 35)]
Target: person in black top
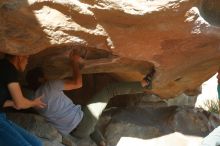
[(11, 96)]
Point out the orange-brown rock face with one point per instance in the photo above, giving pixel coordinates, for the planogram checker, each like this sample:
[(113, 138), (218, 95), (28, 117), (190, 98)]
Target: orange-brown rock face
[(180, 38)]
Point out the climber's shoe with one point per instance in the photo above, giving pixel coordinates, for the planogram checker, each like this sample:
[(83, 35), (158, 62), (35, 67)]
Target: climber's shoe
[(148, 79)]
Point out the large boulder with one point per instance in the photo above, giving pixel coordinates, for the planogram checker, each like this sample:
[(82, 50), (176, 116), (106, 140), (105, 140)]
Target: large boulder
[(179, 38), (156, 126), (134, 124)]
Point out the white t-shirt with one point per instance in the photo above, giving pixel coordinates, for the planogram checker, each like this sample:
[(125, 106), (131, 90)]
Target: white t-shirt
[(60, 110)]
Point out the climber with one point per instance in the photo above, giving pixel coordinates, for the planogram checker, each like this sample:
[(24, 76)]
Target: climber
[(11, 96), (69, 118)]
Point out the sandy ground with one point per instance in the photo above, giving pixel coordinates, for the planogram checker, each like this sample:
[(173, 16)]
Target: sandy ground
[(173, 139)]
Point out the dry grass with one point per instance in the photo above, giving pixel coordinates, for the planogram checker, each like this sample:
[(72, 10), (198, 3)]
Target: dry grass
[(213, 106)]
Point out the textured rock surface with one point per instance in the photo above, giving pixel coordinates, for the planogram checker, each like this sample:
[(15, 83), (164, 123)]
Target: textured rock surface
[(143, 125), (170, 35), (37, 125)]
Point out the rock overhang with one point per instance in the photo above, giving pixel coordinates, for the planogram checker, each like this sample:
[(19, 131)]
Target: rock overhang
[(180, 39)]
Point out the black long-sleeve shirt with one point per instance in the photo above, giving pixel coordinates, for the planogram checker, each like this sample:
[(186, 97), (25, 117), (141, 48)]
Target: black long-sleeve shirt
[(8, 74)]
